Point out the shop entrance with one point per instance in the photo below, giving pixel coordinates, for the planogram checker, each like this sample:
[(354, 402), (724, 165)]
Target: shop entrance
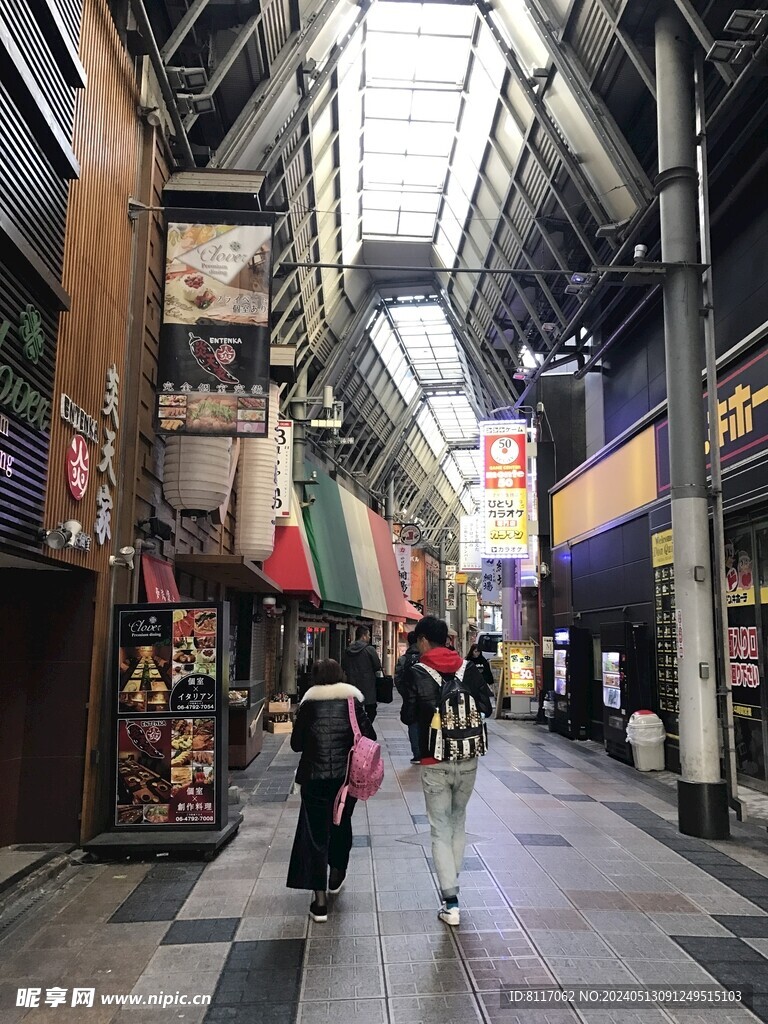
[(746, 587), (46, 636)]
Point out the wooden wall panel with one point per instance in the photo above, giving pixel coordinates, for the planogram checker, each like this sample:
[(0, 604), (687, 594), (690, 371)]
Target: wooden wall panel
[(97, 268), (98, 259)]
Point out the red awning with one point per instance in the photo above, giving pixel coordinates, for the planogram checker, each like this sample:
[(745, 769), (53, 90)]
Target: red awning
[(385, 556), (290, 564), (410, 612), (159, 581)]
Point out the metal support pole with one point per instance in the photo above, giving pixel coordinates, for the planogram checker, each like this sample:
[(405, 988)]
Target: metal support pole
[(389, 502), (289, 666), (510, 600), (702, 796), (718, 530)]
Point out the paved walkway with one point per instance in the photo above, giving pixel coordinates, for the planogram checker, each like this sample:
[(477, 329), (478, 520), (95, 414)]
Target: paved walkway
[(575, 874)]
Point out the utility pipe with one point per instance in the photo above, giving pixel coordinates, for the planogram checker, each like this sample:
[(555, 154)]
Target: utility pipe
[(140, 14)]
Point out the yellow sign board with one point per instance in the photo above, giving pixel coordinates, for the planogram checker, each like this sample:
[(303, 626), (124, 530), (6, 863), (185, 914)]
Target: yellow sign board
[(519, 668), (461, 577), (661, 549)]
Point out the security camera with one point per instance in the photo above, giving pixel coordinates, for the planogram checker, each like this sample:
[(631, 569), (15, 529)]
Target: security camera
[(311, 499), (63, 536), (641, 252)]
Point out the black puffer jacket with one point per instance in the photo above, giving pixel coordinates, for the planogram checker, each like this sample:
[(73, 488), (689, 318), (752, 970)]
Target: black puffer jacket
[(322, 732)]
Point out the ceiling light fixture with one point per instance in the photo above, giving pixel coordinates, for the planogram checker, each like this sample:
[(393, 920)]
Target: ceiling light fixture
[(747, 23)]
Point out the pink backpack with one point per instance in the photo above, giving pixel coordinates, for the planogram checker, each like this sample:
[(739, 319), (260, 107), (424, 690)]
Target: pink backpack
[(365, 768)]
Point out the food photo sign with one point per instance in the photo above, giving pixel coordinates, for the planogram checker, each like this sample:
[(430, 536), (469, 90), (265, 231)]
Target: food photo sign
[(171, 674), (213, 373)]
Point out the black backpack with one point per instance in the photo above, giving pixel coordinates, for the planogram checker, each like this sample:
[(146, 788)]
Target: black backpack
[(457, 731)]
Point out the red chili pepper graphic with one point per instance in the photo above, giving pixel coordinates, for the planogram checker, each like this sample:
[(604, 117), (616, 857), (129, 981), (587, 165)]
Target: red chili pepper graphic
[(138, 738), (205, 356)]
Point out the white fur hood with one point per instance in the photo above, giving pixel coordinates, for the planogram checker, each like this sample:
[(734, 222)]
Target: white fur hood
[(332, 691)]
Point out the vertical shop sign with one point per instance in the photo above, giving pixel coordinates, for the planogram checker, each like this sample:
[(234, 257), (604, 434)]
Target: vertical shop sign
[(284, 473), (519, 668), (662, 559), (170, 677), (505, 504), (213, 374), (450, 588), (111, 414), (403, 560), (470, 528), (490, 587)]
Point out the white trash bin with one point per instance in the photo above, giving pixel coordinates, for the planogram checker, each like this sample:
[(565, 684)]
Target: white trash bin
[(646, 734)]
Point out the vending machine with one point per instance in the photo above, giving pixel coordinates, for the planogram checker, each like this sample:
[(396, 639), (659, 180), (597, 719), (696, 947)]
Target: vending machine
[(626, 676), (573, 682)]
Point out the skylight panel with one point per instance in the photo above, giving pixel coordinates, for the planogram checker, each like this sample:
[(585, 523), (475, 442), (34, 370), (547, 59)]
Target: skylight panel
[(434, 105), (429, 428), (424, 49)]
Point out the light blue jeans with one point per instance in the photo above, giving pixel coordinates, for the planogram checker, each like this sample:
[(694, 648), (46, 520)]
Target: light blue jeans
[(447, 789)]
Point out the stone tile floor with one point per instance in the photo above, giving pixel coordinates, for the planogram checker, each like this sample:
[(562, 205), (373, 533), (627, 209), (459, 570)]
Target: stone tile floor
[(575, 874)]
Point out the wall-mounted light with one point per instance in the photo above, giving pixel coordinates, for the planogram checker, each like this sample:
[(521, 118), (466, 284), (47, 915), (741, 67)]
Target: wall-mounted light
[(188, 79), (123, 558), (63, 536)]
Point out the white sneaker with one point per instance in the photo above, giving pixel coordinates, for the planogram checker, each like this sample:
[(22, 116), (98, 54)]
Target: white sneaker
[(449, 915)]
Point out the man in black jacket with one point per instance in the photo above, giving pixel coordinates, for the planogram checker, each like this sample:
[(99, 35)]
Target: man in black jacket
[(362, 668), (402, 675), (447, 785)]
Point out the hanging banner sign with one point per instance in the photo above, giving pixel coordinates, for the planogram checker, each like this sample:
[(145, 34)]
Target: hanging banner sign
[(450, 588), (403, 559), (470, 558), (505, 499), (490, 587), (284, 475), (519, 668), (213, 372)]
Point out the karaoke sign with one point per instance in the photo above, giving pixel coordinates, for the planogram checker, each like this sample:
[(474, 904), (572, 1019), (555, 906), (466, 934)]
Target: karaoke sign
[(505, 495)]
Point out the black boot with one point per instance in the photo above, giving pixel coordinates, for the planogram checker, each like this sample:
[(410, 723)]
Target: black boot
[(318, 908)]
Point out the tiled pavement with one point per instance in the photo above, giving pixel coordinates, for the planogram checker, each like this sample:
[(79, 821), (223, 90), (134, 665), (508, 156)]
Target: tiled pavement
[(575, 874)]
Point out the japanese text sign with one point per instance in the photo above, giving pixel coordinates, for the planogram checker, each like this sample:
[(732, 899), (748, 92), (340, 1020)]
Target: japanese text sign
[(403, 560), (519, 669), (283, 482), (505, 500)]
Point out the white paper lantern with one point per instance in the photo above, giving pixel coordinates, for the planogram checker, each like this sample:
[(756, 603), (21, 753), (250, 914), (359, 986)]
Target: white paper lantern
[(196, 472), (255, 526)]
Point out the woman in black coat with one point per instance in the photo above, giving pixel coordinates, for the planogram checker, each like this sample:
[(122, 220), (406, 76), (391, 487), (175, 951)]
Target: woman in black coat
[(323, 734), (475, 657)]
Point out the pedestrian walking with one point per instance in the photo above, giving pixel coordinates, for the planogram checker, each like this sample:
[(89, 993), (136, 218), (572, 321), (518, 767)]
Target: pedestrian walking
[(362, 667), (323, 735), (476, 657), (448, 699), (402, 673)]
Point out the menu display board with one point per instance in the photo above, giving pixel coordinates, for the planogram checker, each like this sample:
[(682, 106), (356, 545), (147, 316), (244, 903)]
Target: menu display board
[(171, 677), (664, 604)]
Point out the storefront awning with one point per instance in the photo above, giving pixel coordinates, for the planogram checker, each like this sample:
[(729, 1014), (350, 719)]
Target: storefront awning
[(234, 571), (291, 564), (410, 612), (352, 549)]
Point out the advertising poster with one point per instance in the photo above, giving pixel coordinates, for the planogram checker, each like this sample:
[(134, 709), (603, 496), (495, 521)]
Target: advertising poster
[(169, 673), (519, 668), (213, 373), (504, 480), (168, 661), (165, 771), (662, 558), (470, 529)]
